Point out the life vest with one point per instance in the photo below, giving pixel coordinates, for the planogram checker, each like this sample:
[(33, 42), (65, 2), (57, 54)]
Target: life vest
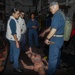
[(22, 24), (9, 35)]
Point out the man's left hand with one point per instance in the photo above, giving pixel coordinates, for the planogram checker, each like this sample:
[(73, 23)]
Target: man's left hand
[(47, 41)]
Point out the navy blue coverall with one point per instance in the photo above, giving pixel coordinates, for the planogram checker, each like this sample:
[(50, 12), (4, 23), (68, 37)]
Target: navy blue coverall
[(58, 23), (33, 32)]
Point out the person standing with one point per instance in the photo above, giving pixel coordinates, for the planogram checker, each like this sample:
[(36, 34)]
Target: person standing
[(13, 34), (33, 26), (56, 32), (23, 30)]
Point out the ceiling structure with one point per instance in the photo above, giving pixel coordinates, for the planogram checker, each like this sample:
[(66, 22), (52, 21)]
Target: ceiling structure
[(41, 4), (35, 2)]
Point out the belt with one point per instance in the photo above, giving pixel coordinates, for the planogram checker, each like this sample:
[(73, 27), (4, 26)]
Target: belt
[(58, 35)]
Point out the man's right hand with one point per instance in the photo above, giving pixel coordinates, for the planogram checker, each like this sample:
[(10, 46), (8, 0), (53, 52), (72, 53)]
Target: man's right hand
[(42, 34)]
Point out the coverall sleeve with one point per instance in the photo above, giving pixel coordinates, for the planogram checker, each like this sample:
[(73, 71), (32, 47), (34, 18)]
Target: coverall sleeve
[(56, 21), (37, 23), (29, 25), (13, 26)]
